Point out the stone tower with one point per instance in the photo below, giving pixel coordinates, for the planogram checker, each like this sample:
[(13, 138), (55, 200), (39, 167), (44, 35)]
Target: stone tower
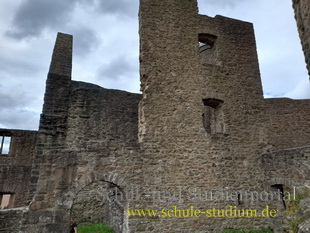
[(302, 16), (48, 174), (202, 119)]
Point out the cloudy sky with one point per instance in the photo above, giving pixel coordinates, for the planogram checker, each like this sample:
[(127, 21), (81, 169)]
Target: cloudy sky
[(106, 48)]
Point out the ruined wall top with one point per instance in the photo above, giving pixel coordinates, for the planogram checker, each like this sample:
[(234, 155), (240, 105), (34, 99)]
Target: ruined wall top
[(62, 55), (302, 16), (175, 77)]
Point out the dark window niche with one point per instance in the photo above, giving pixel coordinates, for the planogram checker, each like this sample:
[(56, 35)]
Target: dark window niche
[(212, 117), (278, 189), (240, 201)]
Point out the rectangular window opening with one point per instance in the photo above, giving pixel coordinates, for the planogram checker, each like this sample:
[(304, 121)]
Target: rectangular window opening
[(213, 117), (5, 199), (5, 144)]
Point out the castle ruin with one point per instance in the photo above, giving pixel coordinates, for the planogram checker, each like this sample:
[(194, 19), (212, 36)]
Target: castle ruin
[(201, 125)]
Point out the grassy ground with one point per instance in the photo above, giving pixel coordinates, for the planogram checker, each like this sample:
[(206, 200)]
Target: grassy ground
[(103, 228), (253, 231), (95, 228)]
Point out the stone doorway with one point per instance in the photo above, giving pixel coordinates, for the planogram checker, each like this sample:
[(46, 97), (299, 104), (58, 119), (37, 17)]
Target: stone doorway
[(100, 202)]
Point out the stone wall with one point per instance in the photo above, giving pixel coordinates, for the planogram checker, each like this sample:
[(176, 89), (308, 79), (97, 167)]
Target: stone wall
[(15, 177), (84, 130), (15, 167), (289, 123), (11, 219), (289, 170), (90, 205), (288, 167), (302, 16), (105, 140)]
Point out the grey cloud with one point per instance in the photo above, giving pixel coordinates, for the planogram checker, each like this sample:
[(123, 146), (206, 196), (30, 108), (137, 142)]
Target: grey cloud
[(220, 3), (115, 7), (85, 40), (120, 7), (18, 67), (118, 67), (13, 99), (301, 91), (19, 119), (13, 110), (33, 16)]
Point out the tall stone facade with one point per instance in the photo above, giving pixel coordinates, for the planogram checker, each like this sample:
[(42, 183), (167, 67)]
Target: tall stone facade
[(16, 176), (86, 139), (201, 126)]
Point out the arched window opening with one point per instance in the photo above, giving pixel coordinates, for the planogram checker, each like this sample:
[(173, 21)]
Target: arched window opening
[(278, 189), (207, 50)]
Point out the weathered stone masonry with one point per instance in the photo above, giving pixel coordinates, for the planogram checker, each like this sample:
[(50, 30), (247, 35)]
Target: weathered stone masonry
[(201, 122), (16, 175), (302, 16)]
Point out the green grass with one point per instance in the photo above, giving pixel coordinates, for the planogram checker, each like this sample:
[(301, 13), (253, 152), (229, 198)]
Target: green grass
[(95, 228), (253, 231), (295, 211)]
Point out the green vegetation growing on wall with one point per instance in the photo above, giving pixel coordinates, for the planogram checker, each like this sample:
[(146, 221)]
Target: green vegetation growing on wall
[(295, 211), (95, 228)]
